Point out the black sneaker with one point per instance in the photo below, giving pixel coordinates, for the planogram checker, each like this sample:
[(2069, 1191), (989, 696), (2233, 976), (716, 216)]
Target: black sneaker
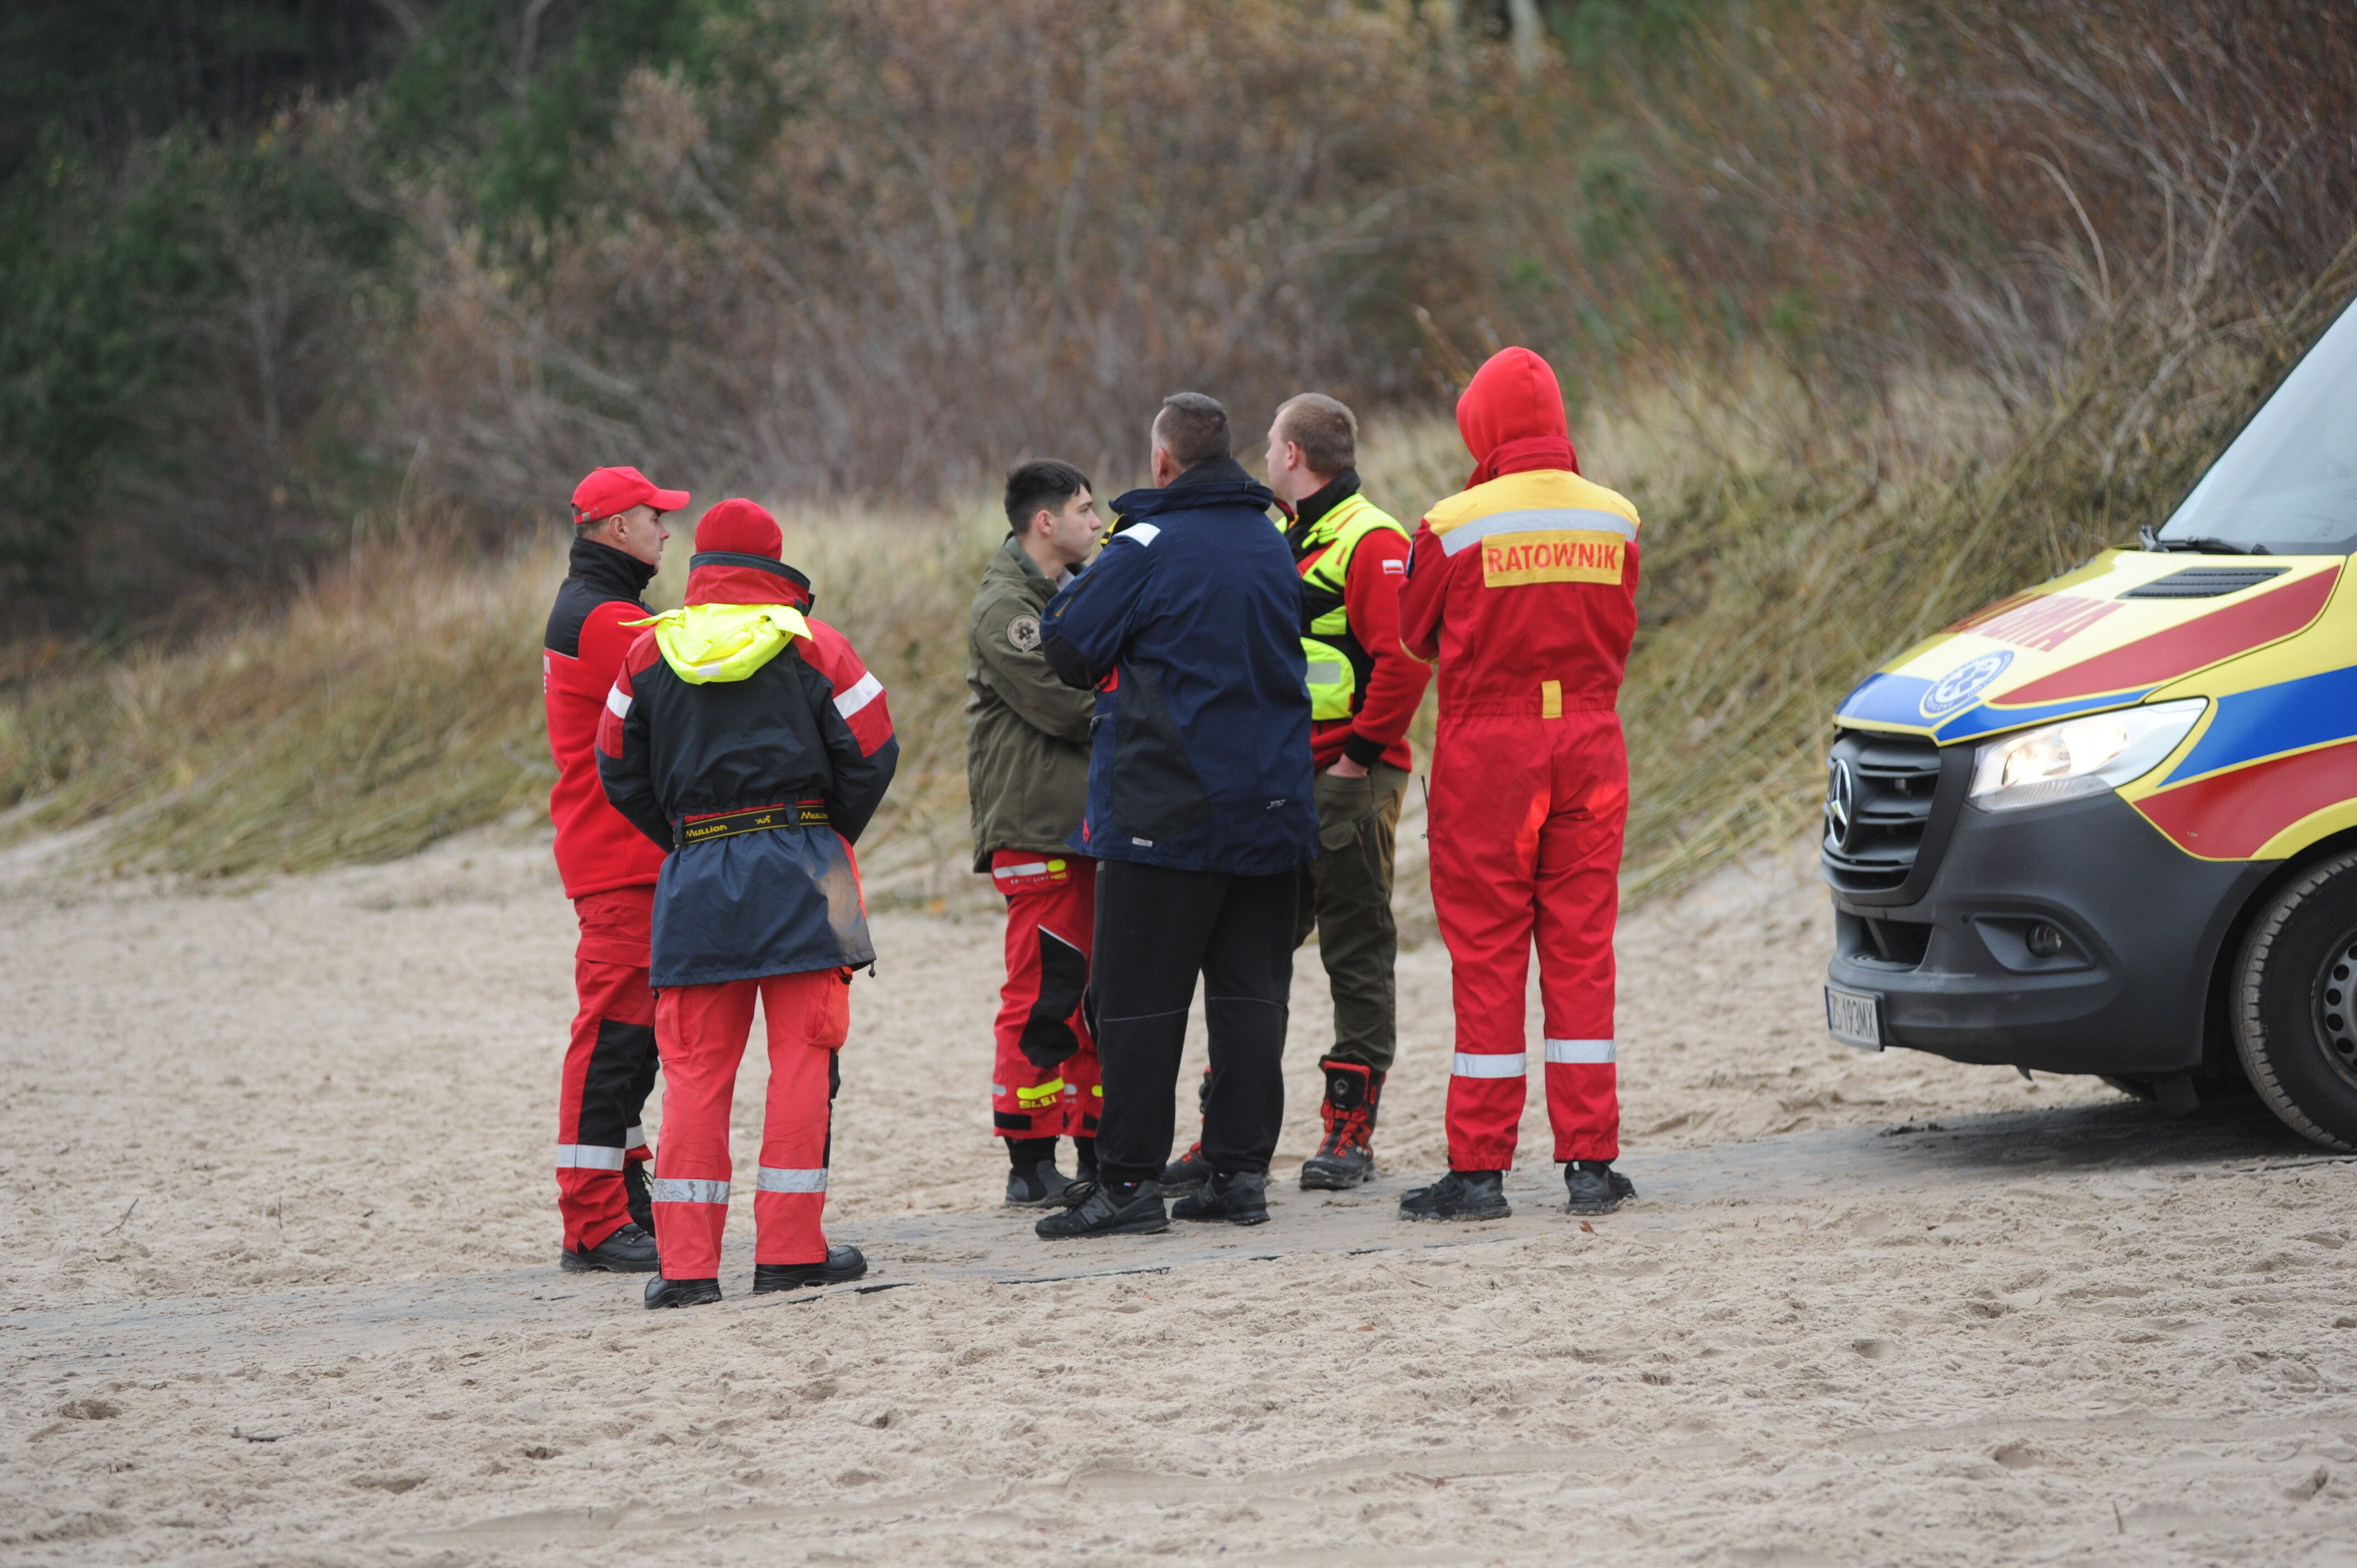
[(1105, 1211), (1188, 1172), (1595, 1186), (635, 1194), (662, 1292), (628, 1251), (843, 1265), (1460, 1195), (1037, 1186), (1240, 1199)]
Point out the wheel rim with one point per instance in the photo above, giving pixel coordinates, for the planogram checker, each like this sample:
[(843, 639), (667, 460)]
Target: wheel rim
[(2336, 1007)]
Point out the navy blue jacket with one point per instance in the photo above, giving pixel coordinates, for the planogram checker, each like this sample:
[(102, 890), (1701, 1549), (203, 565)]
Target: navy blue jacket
[(808, 734), (1188, 625)]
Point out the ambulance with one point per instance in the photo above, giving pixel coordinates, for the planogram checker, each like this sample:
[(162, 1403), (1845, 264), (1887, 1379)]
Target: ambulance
[(2109, 825)]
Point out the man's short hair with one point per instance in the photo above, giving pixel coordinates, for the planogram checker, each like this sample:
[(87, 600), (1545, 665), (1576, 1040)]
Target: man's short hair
[(1326, 431), (1193, 429), (1042, 485)]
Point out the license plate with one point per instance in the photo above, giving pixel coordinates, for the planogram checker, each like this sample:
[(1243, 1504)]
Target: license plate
[(1854, 1017)]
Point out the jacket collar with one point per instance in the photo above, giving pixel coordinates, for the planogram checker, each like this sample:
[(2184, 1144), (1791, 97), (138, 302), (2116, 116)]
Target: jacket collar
[(1220, 482), (1326, 497), (724, 577), (603, 566), (1014, 561)]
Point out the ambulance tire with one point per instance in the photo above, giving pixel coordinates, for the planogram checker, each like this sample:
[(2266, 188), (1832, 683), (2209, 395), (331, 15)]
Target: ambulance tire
[(2294, 1004)]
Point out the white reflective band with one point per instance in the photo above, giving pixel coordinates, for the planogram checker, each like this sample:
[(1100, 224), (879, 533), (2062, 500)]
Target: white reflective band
[(636, 1138), (587, 1157), (864, 690), (1142, 532), (998, 1089), (1327, 673), (1581, 1051), (1032, 868), (615, 704), (1545, 519), (1469, 1066), (677, 1189), (776, 1180)]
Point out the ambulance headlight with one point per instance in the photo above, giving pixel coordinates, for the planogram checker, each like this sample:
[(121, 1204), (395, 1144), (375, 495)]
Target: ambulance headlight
[(2079, 757)]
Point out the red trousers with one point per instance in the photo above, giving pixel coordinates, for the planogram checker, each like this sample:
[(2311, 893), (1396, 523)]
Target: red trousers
[(702, 1030), (1043, 1083), (1525, 821), (609, 1065)]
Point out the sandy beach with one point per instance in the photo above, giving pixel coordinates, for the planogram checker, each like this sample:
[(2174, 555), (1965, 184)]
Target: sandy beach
[(285, 1287)]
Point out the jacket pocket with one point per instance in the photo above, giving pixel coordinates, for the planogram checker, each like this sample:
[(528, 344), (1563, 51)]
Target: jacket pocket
[(1345, 806), (1155, 792)]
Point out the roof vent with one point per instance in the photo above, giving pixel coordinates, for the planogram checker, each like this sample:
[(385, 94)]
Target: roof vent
[(2205, 582)]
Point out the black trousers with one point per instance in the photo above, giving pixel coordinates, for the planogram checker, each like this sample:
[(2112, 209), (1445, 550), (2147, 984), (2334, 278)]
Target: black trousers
[(1156, 930)]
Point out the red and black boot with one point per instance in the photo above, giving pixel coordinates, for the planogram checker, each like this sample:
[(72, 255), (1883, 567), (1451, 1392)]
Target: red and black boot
[(1346, 1158)]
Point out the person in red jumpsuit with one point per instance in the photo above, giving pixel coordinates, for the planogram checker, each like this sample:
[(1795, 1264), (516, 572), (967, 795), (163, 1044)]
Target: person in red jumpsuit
[(609, 871), (1522, 587)]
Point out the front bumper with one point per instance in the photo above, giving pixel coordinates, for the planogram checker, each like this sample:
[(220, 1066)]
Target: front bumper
[(2142, 924)]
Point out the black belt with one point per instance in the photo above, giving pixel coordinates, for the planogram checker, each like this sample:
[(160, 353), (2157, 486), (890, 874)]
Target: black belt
[(751, 820)]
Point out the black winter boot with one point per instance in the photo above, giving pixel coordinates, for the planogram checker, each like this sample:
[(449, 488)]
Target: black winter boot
[(1345, 1158), (635, 1194), (662, 1292), (1109, 1209), (1460, 1195), (1037, 1186), (1192, 1170), (843, 1265), (628, 1251), (1595, 1186), (1241, 1199)]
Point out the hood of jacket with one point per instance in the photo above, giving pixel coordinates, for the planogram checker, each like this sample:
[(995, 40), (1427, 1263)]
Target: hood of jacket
[(1511, 418), (741, 612), (1223, 481)]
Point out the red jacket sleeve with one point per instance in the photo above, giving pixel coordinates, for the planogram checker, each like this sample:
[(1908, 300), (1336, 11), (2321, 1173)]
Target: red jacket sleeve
[(605, 639), (1371, 597), (1423, 594)]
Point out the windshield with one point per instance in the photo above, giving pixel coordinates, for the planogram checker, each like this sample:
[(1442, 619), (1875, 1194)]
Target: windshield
[(2285, 484)]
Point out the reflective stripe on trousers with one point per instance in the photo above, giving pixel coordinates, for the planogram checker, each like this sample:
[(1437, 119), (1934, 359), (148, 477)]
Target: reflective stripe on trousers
[(1581, 1051), (587, 1157), (683, 1189), (773, 1179)]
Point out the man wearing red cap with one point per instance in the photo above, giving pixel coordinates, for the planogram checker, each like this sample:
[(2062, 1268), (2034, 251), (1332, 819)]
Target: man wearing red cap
[(1523, 588), (610, 872), (749, 740)]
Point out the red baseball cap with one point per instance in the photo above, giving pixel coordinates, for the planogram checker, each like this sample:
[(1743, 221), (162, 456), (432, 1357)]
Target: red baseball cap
[(608, 491)]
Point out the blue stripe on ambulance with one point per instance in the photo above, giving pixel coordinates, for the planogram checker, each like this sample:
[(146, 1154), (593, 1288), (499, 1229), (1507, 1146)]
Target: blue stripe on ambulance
[(1897, 700), (2290, 715)]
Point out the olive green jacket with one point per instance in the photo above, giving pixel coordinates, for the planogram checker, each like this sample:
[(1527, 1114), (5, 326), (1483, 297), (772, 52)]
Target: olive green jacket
[(1026, 733)]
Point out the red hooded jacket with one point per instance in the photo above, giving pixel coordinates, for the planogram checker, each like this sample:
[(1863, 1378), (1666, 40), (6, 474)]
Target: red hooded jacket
[(1523, 587)]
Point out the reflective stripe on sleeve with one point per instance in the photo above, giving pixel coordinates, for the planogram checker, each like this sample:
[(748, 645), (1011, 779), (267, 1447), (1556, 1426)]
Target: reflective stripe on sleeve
[(615, 704), (1139, 533), (1535, 521), (773, 1179), (587, 1157), (1029, 868), (998, 1089), (1581, 1051), (1467, 1065), (679, 1189), (864, 690)]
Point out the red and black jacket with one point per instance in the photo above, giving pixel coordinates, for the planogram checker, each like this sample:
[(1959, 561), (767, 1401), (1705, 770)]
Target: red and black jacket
[(808, 733), (588, 634)]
